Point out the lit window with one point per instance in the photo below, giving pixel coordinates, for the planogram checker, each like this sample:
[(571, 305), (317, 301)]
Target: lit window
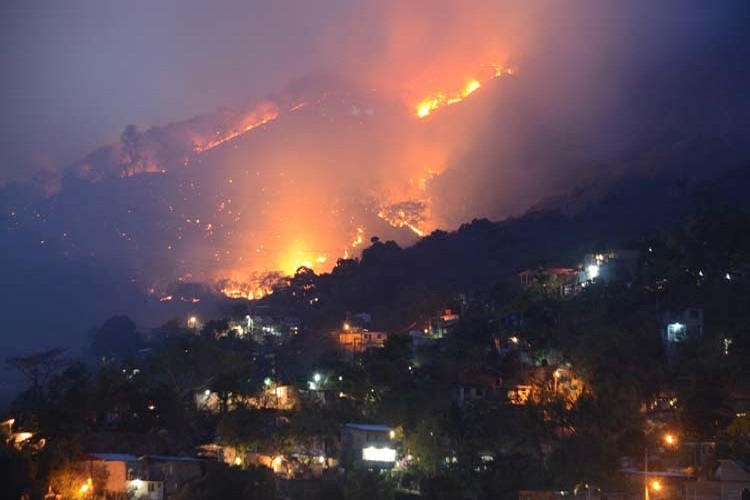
[(676, 332)]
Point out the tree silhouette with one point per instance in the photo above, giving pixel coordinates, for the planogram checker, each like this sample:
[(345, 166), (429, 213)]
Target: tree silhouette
[(130, 151), (38, 368)]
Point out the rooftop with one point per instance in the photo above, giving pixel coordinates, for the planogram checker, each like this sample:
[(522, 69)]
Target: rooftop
[(369, 427), (114, 457)]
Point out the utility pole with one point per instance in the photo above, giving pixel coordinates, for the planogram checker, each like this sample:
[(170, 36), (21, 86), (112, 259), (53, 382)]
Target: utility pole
[(645, 473)]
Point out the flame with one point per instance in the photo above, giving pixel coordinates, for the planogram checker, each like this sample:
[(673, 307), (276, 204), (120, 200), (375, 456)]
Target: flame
[(286, 230), (241, 290), (255, 119), (408, 214), (438, 100), (471, 87)]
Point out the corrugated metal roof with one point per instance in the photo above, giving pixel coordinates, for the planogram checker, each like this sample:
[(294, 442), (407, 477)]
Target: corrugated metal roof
[(115, 457), (369, 427)]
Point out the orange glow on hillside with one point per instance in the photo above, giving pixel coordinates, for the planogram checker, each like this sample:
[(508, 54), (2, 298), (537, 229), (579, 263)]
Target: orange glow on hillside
[(290, 196), (438, 100), (254, 119)]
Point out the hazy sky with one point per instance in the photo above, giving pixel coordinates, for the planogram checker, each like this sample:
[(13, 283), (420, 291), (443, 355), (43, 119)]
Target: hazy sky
[(76, 71)]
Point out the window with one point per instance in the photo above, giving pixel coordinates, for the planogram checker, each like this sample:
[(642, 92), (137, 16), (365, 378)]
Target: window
[(151, 487), (676, 332)]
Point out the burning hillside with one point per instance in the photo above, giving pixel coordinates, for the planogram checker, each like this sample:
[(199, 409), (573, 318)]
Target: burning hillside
[(294, 181)]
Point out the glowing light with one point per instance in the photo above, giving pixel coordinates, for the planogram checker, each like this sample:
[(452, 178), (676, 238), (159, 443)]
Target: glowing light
[(438, 100), (86, 487), (255, 119), (471, 87), (592, 271), (405, 214), (317, 377), (20, 437), (656, 485), (670, 439), (372, 454)]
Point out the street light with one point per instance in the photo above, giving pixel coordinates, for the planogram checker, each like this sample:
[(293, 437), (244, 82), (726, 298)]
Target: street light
[(192, 322), (645, 473), (670, 439)]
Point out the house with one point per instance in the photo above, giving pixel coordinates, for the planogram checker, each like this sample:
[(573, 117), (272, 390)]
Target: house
[(545, 382), (124, 475), (420, 339), (683, 325), (353, 341), (679, 327), (553, 280), (305, 458), (149, 477), (468, 394), (443, 324), (603, 267), (370, 444), (172, 471), (609, 266), (726, 481)]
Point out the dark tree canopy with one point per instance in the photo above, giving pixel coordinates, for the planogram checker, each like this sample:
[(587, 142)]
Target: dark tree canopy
[(116, 338)]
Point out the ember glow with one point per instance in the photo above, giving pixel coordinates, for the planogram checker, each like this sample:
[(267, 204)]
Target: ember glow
[(311, 172), (258, 117), (436, 101)]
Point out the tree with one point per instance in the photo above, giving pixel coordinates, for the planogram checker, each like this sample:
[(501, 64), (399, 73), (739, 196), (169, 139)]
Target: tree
[(116, 338), (130, 151), (367, 485), (221, 482), (38, 368), (15, 471), (735, 442)]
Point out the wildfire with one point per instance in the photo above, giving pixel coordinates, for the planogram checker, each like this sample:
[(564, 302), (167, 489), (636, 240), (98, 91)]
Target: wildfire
[(425, 107), (439, 100), (254, 120), (357, 241), (249, 291), (263, 114), (259, 217), (408, 214)]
